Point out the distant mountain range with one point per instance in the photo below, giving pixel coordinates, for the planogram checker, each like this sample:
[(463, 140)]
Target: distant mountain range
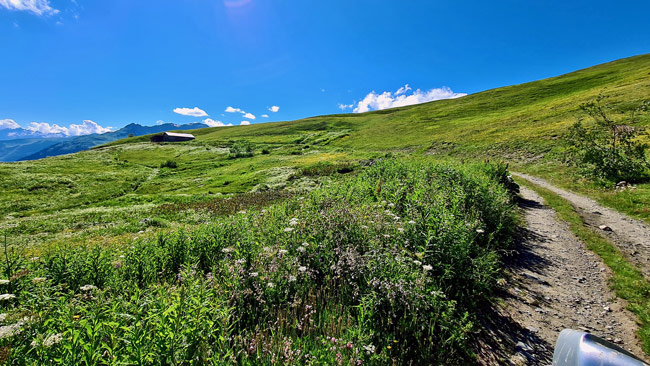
[(16, 144)]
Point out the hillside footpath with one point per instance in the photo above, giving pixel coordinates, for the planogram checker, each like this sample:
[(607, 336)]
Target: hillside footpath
[(555, 283), (631, 236)]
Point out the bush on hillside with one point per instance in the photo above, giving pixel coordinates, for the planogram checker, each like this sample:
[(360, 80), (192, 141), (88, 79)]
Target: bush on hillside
[(608, 149), (169, 164), (241, 149)]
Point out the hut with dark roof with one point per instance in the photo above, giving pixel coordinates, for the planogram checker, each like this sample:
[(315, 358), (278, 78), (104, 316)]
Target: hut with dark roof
[(172, 137)]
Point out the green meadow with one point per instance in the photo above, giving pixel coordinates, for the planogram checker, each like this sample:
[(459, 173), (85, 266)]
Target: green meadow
[(371, 238)]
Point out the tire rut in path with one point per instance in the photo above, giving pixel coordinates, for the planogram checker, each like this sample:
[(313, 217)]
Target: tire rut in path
[(631, 236), (555, 283)]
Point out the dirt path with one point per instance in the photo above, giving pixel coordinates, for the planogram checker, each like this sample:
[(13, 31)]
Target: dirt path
[(631, 236), (556, 283)]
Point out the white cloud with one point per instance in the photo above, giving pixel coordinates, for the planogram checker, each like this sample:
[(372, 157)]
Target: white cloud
[(234, 110), (244, 123), (249, 116), (274, 108), (403, 90), (193, 112), (212, 123), (8, 124), (400, 98), (86, 128), (38, 7), (265, 116)]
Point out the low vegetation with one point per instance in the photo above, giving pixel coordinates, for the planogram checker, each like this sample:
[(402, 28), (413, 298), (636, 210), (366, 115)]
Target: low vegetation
[(389, 266)]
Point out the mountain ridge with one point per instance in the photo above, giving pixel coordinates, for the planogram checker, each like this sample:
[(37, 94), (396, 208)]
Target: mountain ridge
[(38, 148)]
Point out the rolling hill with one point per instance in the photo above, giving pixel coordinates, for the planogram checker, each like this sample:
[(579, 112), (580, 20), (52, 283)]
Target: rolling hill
[(520, 123)]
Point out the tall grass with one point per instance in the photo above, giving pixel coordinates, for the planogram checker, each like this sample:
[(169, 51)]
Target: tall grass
[(388, 266)]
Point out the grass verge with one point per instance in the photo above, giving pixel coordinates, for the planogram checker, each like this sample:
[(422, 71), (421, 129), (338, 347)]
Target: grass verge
[(627, 281)]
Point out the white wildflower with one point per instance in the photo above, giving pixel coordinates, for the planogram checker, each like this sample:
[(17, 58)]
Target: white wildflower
[(3, 316), (412, 222), (242, 212), (301, 249), (282, 251), (39, 279), (51, 340), (254, 274), (226, 250), (305, 244), (480, 231), (4, 282), (364, 227), (391, 205), (417, 262), (88, 288), (293, 222), (427, 267), (386, 236), (10, 330), (401, 230), (370, 349), (302, 269), (7, 297), (292, 278), (270, 285), (288, 229)]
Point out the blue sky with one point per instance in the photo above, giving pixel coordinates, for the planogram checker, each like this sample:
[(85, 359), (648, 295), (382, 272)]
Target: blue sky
[(120, 61)]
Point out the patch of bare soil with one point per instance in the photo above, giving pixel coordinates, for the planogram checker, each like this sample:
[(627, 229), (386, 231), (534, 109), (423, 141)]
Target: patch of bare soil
[(555, 283)]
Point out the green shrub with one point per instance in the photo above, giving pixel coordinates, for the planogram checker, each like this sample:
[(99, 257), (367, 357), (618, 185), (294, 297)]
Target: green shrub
[(169, 164), (242, 149), (607, 149)]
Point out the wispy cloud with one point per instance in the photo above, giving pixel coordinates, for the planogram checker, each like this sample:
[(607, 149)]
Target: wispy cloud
[(38, 7), (249, 116), (265, 116), (274, 108), (8, 124), (245, 123), (193, 112), (402, 97), (86, 128)]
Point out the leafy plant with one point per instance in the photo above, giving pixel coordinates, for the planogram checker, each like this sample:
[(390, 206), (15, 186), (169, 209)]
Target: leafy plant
[(169, 164), (608, 149), (241, 149)]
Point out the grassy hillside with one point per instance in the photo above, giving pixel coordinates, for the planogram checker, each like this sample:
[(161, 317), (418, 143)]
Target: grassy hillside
[(526, 117), (123, 181), (203, 251)]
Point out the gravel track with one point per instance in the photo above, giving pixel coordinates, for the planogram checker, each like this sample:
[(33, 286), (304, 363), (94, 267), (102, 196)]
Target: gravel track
[(631, 236), (555, 283)]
